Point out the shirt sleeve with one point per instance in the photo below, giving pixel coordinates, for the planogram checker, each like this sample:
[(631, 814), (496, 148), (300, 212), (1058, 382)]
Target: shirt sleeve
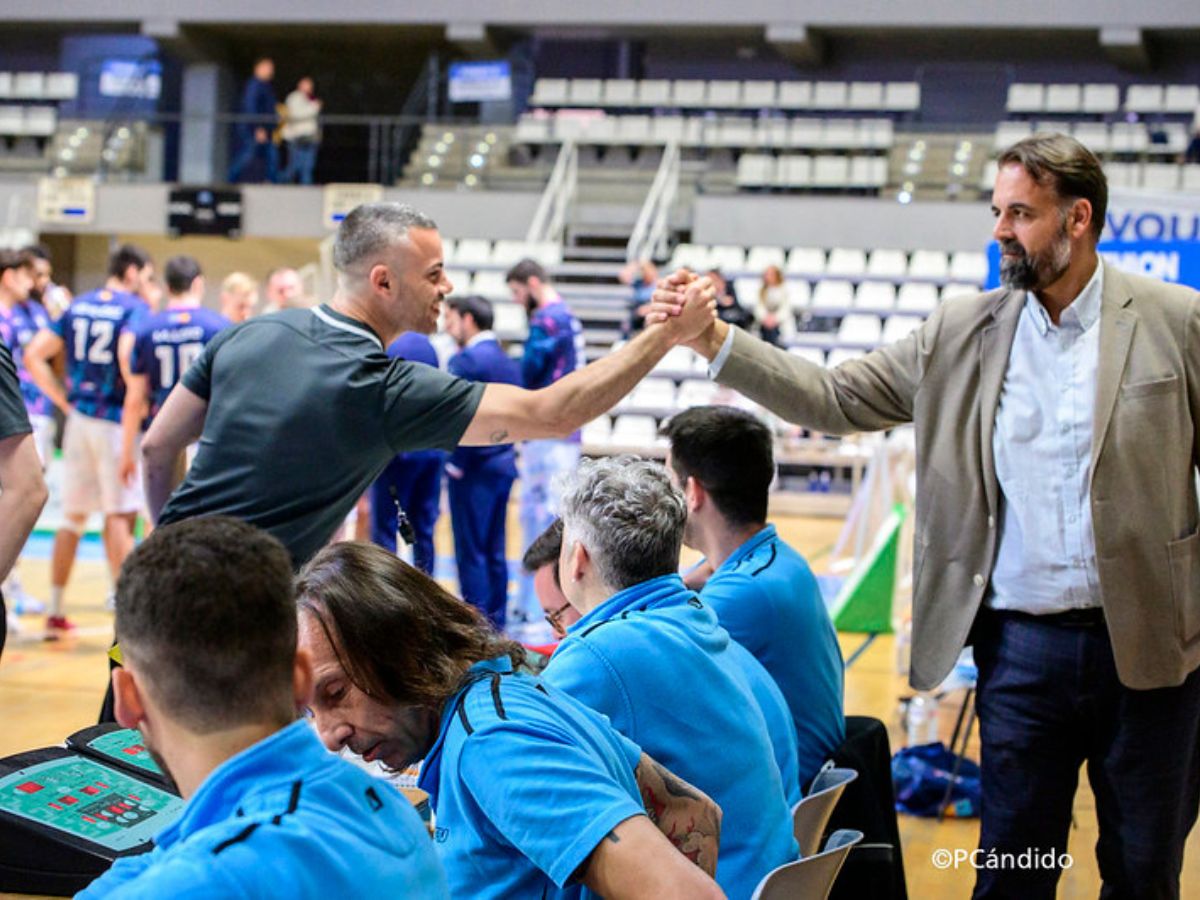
[(13, 418), (539, 355), (122, 873), (578, 668), (427, 409), (198, 377), (544, 793), (740, 606), (718, 363)]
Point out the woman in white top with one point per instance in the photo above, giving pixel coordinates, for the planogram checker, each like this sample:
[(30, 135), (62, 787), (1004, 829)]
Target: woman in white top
[(774, 308), (301, 132)]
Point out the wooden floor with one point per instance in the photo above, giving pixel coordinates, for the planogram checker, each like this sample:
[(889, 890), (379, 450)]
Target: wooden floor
[(48, 690)]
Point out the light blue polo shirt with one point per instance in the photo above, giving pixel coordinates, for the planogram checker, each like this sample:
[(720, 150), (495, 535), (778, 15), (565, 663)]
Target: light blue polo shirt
[(285, 818), (654, 659), (524, 783), (777, 716), (768, 600)]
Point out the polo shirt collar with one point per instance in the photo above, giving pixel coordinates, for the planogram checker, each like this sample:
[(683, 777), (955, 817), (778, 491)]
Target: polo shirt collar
[(763, 536), (343, 322), (662, 591)]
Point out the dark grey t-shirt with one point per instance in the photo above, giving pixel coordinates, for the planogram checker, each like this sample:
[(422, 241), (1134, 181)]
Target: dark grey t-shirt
[(13, 419), (304, 411)]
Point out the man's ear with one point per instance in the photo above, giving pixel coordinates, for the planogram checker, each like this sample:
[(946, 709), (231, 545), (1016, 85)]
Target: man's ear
[(380, 277), (695, 494), (128, 705), (302, 678)]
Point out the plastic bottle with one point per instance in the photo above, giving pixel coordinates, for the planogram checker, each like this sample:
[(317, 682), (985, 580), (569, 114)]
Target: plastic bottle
[(922, 726)]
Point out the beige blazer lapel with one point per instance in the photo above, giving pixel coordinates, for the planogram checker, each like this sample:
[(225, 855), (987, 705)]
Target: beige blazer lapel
[(995, 345), (1117, 323)]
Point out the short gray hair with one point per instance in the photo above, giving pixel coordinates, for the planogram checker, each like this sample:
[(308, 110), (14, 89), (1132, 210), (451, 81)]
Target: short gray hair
[(371, 227), (628, 514)]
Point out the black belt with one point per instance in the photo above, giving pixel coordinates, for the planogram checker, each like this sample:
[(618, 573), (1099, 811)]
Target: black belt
[(1091, 617)]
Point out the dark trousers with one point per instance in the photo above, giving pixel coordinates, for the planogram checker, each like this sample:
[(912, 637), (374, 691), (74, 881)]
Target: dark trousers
[(1049, 701), (414, 480), (478, 515)]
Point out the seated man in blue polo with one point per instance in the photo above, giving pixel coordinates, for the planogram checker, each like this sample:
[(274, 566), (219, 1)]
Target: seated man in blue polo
[(653, 658), (762, 590), (534, 794), (212, 678)]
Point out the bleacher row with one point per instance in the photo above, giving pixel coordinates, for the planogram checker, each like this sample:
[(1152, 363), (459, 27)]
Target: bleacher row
[(1155, 176), (798, 171), (696, 94), (1101, 99), (39, 85), (27, 121), (897, 266), (1117, 138)]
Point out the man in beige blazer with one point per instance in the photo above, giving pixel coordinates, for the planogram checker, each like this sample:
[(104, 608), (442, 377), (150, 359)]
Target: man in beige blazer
[(1056, 519)]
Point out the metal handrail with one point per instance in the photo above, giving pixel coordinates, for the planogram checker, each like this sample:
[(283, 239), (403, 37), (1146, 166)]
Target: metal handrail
[(549, 222), (649, 238)]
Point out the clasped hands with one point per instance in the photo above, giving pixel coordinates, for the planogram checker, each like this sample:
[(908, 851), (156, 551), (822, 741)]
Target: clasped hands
[(685, 303)]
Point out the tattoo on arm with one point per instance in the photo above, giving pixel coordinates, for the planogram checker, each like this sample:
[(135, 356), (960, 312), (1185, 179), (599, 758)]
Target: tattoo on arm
[(498, 437), (687, 816)]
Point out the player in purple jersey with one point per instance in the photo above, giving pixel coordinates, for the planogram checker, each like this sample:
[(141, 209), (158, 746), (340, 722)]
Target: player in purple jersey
[(554, 348), (96, 335), (165, 344)]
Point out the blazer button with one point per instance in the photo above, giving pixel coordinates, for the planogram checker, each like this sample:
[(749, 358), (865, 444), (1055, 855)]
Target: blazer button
[(978, 579)]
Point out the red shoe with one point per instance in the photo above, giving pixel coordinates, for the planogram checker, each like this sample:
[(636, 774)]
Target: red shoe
[(57, 627)]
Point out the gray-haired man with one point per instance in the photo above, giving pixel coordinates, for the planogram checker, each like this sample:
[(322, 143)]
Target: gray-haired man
[(299, 411)]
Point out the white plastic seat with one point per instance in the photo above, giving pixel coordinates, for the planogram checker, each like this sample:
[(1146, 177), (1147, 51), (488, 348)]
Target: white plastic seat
[(1008, 133), (902, 96), (755, 170), (1181, 98), (1177, 137), (1190, 180), (509, 252), (877, 296), (510, 320), (599, 129), (930, 264), (634, 130), (620, 92), (1128, 137), (987, 178), (795, 95), (759, 94), (758, 258), (653, 92), (865, 95), (12, 120), (1101, 99), (6, 85), (794, 171), (634, 431), (549, 92), (696, 392), (650, 394), (491, 285), (1093, 135), (473, 252), (846, 261), (460, 279), (61, 86), (40, 121), (830, 95), (678, 360), (585, 91), (840, 134), (831, 171), (735, 132), (728, 258), (860, 328), (808, 261), (746, 287), (832, 295), (969, 265), (1064, 98), (666, 129), (897, 327), (799, 293), (773, 132), (689, 93), (690, 256), (814, 355), (806, 133), (868, 171), (598, 431), (1025, 98), (916, 297), (1120, 174), (724, 94), (877, 134), (29, 85), (533, 129), (959, 289), (887, 264), (1144, 98), (1160, 176)]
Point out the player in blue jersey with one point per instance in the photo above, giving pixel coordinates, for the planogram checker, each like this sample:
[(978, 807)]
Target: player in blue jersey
[(554, 348), (481, 478), (165, 344), (96, 336)]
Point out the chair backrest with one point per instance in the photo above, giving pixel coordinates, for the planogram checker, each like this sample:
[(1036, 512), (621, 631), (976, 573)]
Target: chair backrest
[(811, 878), (811, 814)]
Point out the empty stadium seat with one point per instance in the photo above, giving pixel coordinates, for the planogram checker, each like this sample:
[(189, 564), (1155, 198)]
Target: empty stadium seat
[(794, 171), (1144, 98), (959, 289), (29, 85), (1093, 135), (668, 129), (915, 297), (774, 132), (877, 296), (1128, 137), (690, 256), (1160, 176), (1121, 174), (598, 431), (830, 95), (734, 131), (549, 92), (689, 93), (1190, 178), (868, 172), (727, 257), (865, 95), (491, 285), (40, 121), (747, 287), (637, 431), (832, 295), (653, 92), (651, 394), (902, 96), (724, 94), (759, 94), (1008, 133), (634, 130), (897, 327), (620, 92), (12, 120), (1181, 98), (1100, 99), (61, 86), (887, 264), (969, 265), (758, 258), (472, 252), (696, 392), (876, 134), (6, 84), (461, 281), (510, 320), (533, 129), (860, 328), (831, 171), (1025, 98), (799, 293), (806, 261), (928, 264), (677, 360), (755, 170), (795, 95), (585, 92), (845, 261), (840, 134), (1064, 98)]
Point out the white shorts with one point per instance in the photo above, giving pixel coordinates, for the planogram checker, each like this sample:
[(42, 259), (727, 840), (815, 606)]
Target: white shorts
[(91, 469), (43, 436)]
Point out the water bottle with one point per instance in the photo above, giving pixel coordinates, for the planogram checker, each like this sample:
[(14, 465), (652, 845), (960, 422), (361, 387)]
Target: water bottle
[(922, 720)]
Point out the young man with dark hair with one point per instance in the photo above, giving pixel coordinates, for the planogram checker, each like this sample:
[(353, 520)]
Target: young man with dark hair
[(22, 488), (480, 478), (554, 348), (213, 680), (96, 334), (541, 561), (165, 345), (535, 795), (762, 590), (652, 657)]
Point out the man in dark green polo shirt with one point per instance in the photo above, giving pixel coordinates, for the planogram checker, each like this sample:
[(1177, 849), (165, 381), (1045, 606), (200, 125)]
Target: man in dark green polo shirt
[(297, 412)]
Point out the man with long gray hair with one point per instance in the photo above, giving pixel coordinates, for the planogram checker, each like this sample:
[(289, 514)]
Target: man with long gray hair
[(299, 411), (653, 658)]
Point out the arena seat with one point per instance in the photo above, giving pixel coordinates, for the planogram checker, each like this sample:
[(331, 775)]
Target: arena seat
[(916, 297), (620, 92), (727, 257), (929, 264), (1144, 98), (969, 265), (634, 430), (549, 92), (677, 361), (830, 95), (1093, 135), (1190, 180), (867, 172), (755, 170), (1025, 98), (830, 171), (511, 321), (61, 86), (1064, 98), (832, 295), (472, 252), (1128, 137), (799, 293), (490, 285), (865, 95), (1181, 98), (689, 93), (461, 279), (758, 258), (653, 92), (846, 261), (1101, 99), (897, 327), (585, 92), (29, 85), (794, 171), (696, 392), (840, 134), (1160, 176), (1121, 174), (902, 96), (759, 94), (876, 296), (795, 95), (597, 432), (806, 261), (1008, 133), (724, 94), (887, 264), (690, 256)]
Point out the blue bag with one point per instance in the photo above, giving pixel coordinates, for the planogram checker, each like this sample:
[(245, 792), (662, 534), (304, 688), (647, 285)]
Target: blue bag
[(921, 774)]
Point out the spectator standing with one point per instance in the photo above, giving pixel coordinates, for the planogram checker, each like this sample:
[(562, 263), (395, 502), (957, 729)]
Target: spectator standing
[(254, 145), (774, 309), (301, 132)]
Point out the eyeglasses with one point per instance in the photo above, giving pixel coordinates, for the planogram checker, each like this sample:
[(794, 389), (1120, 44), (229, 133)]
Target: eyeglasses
[(555, 614)]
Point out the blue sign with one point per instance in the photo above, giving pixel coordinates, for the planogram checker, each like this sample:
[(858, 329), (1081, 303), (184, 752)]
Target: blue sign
[(478, 82)]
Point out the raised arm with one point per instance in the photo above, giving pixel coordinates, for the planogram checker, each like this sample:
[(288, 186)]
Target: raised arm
[(636, 862), (179, 423), (22, 495), (508, 413)]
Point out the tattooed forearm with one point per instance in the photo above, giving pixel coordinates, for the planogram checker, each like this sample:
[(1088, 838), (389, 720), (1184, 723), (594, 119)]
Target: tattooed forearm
[(498, 437), (687, 816)]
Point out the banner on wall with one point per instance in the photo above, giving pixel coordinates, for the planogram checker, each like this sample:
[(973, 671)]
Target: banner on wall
[(1145, 232)]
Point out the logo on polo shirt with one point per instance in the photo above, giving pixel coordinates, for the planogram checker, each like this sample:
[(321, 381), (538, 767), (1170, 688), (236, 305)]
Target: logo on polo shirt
[(441, 835)]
